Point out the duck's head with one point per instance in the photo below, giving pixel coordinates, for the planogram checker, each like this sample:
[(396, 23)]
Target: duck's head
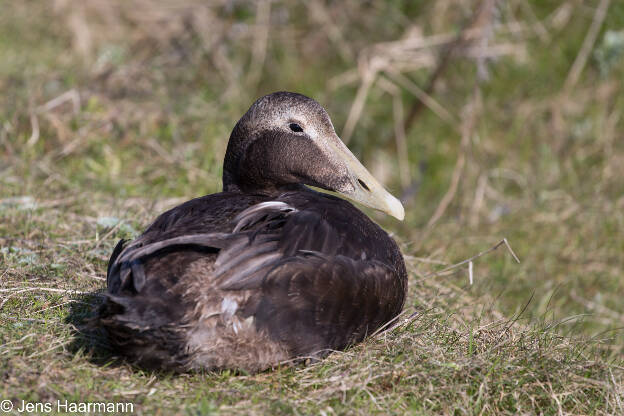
[(287, 139)]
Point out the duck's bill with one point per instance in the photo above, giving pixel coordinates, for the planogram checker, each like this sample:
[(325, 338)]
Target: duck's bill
[(364, 188)]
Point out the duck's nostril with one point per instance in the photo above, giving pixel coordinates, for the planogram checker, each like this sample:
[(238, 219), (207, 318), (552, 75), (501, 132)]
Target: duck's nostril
[(363, 184)]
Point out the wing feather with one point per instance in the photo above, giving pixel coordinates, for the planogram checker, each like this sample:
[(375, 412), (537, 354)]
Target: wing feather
[(314, 304)]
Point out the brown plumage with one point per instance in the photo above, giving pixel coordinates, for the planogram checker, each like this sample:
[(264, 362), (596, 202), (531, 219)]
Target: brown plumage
[(268, 270)]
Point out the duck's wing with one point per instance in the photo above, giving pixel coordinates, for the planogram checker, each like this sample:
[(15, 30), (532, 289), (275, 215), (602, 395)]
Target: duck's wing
[(240, 255), (321, 287), (313, 304)]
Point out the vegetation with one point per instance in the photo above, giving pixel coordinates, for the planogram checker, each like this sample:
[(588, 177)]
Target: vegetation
[(491, 119)]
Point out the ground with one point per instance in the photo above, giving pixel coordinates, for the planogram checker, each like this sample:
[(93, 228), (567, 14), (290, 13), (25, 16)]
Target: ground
[(491, 120)]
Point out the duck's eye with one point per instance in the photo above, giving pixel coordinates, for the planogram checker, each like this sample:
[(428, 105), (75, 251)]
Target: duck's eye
[(295, 127)]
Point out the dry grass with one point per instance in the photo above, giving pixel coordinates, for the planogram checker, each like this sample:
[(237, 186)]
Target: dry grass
[(494, 119)]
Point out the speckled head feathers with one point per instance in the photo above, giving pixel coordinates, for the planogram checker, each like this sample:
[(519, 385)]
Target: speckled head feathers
[(280, 109), (286, 139)]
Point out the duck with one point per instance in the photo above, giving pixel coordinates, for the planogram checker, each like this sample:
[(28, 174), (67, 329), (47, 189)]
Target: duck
[(269, 271)]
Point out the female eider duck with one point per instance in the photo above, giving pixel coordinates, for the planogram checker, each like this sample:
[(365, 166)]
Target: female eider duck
[(267, 271)]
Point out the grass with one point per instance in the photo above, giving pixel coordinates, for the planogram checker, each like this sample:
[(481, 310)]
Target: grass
[(111, 114)]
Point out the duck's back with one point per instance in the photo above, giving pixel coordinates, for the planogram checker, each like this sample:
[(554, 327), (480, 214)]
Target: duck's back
[(241, 281)]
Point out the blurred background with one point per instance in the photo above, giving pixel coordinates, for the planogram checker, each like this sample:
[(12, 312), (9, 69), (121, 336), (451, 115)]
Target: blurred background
[(490, 119)]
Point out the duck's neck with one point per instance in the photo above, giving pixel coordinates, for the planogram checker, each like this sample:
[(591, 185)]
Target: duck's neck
[(237, 145), (252, 165), (231, 183), (243, 174)]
